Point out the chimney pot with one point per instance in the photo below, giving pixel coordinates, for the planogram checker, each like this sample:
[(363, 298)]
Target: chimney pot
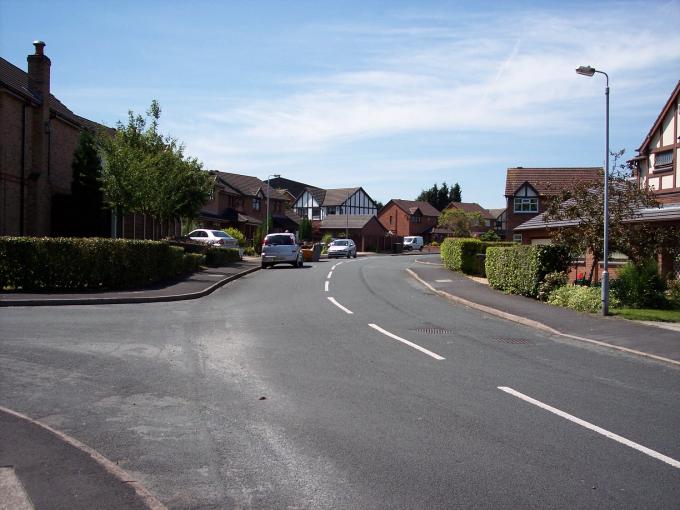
[(39, 46)]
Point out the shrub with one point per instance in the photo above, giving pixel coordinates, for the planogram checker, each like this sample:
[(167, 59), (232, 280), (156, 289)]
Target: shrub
[(236, 234), (550, 282), (466, 254), (216, 257), (490, 235), (581, 298), (31, 263), (192, 262), (434, 244), (673, 293), (520, 268), (640, 286), (249, 251)]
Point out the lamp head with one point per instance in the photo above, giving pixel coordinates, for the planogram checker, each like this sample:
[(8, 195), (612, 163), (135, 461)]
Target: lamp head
[(585, 70)]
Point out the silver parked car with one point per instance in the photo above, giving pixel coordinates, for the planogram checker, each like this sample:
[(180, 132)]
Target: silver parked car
[(342, 248), (281, 249), (213, 237)]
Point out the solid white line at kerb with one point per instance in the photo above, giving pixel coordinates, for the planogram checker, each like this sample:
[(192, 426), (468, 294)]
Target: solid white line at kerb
[(594, 428), (332, 300), (407, 342), (326, 286), (330, 274)]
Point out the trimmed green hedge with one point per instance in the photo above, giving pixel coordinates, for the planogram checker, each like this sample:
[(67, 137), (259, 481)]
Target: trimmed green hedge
[(519, 269), (32, 263), (466, 254), (215, 256)]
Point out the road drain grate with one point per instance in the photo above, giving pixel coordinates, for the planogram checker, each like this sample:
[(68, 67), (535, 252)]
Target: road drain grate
[(513, 341), (433, 331)]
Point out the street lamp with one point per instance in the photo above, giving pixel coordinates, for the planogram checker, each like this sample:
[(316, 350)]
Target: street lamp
[(590, 71), (276, 176)]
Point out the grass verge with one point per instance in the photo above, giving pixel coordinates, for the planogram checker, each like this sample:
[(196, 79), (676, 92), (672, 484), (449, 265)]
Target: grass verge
[(648, 314)]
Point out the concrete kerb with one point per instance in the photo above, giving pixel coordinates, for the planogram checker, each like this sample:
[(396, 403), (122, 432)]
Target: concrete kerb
[(128, 299), (113, 469), (534, 324)]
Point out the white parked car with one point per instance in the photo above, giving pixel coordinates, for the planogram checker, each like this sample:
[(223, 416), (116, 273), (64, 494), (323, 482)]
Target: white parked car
[(413, 243), (213, 237), (342, 248), (281, 249)]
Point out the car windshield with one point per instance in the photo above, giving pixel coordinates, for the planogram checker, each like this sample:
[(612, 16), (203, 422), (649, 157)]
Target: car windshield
[(278, 240), (340, 243), (219, 233), (408, 239)]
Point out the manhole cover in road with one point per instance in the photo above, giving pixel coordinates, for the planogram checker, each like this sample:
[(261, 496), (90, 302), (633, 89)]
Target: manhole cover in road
[(513, 341), (433, 331)]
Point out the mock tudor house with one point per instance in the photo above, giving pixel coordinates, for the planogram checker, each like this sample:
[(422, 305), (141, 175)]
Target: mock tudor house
[(240, 201), (657, 163), (488, 221), (500, 224), (318, 204), (38, 137), (528, 191), (409, 218)]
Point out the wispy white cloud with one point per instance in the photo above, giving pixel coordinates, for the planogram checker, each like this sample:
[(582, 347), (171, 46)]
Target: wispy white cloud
[(517, 76)]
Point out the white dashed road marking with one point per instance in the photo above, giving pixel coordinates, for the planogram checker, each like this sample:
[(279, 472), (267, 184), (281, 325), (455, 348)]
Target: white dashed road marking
[(594, 428), (407, 342), (332, 300), (330, 274), (326, 286), (444, 281), (14, 495)]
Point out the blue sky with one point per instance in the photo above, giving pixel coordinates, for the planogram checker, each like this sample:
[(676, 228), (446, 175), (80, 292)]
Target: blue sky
[(392, 96)]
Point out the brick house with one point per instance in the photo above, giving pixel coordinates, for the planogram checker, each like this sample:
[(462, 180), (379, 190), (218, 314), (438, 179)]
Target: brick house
[(409, 218), (364, 229), (38, 137), (528, 191), (487, 223), (240, 201)]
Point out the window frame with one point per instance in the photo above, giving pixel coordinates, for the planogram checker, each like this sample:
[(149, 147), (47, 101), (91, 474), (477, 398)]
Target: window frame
[(531, 201)]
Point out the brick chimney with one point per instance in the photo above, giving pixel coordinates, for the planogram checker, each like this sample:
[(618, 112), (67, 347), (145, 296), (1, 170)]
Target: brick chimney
[(39, 71)]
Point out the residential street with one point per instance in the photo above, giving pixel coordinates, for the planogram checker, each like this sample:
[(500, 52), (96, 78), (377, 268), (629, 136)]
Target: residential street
[(345, 384)]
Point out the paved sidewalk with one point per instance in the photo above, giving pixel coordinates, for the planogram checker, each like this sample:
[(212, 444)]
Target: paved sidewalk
[(46, 469), (620, 333), (194, 286)]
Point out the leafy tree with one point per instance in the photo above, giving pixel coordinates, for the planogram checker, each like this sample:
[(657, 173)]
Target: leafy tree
[(582, 206), (148, 173), (379, 205), (87, 198), (440, 197), (459, 221), (455, 194), (305, 229)]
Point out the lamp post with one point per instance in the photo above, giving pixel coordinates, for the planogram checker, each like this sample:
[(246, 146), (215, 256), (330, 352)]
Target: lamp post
[(590, 71), (276, 176)]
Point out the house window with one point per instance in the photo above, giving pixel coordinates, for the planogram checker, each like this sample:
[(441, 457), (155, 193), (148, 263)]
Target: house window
[(517, 238), (390, 219), (256, 204), (415, 219), (331, 210), (663, 160), (316, 213), (526, 204)]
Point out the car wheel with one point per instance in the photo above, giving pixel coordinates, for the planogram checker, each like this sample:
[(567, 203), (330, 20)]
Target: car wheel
[(301, 262), (348, 254), (355, 254), (264, 266)]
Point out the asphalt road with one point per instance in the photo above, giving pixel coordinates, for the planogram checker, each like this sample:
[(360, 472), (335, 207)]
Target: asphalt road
[(266, 394)]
